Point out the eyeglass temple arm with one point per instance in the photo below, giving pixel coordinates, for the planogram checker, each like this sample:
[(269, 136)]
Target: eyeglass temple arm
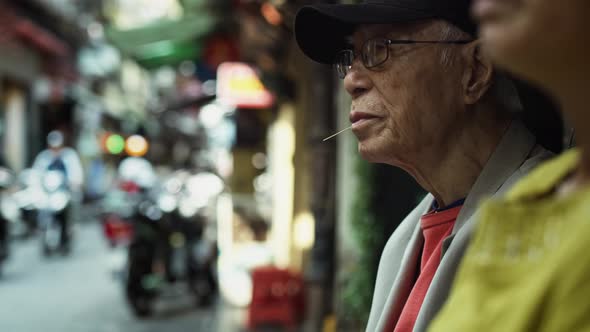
[(428, 41)]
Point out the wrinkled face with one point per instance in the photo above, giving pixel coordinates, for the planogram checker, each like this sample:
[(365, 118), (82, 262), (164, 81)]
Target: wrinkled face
[(406, 107), (538, 39)]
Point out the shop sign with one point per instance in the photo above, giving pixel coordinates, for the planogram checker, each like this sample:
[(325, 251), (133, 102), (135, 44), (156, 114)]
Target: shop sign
[(239, 85)]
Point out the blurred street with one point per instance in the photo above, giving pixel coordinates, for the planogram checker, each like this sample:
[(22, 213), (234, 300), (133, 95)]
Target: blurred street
[(83, 293), (195, 130)]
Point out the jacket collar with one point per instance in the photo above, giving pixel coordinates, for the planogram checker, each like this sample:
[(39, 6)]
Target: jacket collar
[(513, 149)]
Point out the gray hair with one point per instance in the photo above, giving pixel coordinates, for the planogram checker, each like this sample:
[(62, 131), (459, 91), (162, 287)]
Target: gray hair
[(503, 91), (450, 32)]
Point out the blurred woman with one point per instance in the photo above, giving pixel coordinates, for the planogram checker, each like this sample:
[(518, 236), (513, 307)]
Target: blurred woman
[(527, 268)]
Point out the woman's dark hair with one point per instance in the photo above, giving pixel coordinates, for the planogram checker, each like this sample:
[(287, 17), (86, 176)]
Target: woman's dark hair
[(541, 115)]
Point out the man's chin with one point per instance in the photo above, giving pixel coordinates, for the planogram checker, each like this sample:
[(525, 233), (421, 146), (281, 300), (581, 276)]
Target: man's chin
[(370, 154)]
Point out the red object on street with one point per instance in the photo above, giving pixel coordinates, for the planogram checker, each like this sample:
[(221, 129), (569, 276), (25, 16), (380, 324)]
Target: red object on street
[(129, 187), (278, 297), (117, 231)]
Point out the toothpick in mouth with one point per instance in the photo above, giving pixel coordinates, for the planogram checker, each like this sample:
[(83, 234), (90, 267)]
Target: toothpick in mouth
[(338, 133)]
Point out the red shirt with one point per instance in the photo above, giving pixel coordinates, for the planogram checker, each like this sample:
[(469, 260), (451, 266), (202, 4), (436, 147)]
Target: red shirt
[(436, 226)]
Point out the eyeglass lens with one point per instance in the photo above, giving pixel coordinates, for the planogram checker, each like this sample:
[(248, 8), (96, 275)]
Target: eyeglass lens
[(374, 52), (344, 62)]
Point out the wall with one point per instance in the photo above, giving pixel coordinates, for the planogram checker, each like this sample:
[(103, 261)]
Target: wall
[(19, 70)]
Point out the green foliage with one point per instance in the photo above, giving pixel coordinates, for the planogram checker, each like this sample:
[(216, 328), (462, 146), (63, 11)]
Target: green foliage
[(384, 196), (369, 235)]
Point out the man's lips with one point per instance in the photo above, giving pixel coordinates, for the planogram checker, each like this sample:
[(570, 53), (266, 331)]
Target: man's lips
[(357, 117)]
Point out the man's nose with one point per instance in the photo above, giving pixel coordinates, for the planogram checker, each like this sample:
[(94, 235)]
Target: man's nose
[(356, 81)]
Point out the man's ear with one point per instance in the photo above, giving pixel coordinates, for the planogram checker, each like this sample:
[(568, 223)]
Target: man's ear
[(478, 74)]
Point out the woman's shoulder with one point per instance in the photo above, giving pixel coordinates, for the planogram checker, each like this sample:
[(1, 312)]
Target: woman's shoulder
[(545, 177)]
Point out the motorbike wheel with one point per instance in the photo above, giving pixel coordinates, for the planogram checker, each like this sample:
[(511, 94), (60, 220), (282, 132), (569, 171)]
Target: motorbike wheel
[(4, 250), (51, 238), (139, 261), (205, 301), (65, 232), (46, 251), (142, 306), (4, 239), (65, 249), (204, 291)]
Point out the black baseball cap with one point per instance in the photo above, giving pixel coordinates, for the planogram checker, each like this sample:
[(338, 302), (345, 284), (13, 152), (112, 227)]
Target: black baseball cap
[(322, 30)]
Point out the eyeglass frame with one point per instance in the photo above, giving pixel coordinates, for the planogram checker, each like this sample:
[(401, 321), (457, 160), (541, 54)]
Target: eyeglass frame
[(388, 42)]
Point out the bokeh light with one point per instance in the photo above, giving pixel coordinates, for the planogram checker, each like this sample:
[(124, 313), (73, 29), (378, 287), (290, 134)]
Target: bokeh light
[(136, 146), (115, 144)]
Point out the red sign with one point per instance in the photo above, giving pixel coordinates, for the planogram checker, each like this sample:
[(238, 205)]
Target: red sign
[(239, 85)]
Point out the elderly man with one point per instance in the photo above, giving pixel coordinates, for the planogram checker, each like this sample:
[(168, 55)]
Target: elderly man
[(425, 99)]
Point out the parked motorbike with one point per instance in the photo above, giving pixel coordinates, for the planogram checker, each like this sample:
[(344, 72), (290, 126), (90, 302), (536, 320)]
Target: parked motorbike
[(172, 244), (118, 208), (6, 181), (24, 200)]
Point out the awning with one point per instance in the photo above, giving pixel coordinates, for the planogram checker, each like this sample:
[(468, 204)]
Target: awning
[(165, 42), (17, 27)]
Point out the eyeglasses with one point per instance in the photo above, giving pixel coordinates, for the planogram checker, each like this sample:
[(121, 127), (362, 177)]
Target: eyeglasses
[(375, 52)]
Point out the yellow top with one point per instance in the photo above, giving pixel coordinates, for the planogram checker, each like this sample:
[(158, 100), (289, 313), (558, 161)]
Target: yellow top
[(528, 267)]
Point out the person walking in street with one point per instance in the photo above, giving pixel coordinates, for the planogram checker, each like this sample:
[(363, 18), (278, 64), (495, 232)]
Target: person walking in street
[(427, 100), (527, 268)]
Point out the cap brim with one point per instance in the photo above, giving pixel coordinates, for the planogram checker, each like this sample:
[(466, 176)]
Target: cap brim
[(321, 30)]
